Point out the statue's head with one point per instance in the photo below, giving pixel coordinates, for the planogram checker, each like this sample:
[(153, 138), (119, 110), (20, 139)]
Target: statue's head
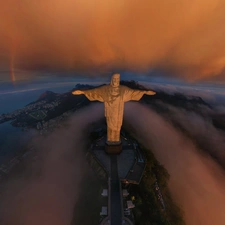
[(115, 80)]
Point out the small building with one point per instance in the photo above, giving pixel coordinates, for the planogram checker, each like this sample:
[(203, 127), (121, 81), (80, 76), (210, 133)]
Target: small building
[(125, 193), (104, 211), (105, 192), (126, 212), (130, 205)]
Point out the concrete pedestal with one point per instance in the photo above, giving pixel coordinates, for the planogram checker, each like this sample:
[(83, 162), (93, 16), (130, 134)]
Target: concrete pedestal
[(113, 148)]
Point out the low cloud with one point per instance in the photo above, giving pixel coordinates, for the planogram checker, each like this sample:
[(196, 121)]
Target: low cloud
[(197, 183), (46, 191), (200, 129), (213, 95)]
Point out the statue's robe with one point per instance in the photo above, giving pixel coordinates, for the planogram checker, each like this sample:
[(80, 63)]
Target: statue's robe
[(113, 99)]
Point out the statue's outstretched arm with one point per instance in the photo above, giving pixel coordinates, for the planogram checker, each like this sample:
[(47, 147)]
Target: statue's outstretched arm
[(78, 92), (135, 95), (95, 94), (149, 92)]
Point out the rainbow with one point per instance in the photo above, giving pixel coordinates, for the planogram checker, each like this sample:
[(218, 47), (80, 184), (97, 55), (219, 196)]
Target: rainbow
[(11, 66)]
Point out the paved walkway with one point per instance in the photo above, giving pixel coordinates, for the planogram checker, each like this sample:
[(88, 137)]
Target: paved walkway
[(115, 195)]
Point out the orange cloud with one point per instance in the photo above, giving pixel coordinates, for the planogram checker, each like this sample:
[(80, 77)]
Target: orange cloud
[(183, 37)]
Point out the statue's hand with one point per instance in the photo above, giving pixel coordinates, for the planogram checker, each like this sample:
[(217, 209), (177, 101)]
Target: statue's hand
[(77, 92), (150, 92)]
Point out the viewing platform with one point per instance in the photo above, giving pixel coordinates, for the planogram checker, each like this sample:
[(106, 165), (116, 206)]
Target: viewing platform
[(124, 168)]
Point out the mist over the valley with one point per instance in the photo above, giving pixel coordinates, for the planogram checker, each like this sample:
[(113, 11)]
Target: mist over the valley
[(197, 181), (46, 190)]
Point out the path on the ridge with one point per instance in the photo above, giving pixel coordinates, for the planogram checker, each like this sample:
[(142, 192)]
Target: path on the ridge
[(115, 195)]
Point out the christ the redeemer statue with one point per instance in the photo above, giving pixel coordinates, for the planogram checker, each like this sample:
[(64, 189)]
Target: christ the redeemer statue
[(113, 95)]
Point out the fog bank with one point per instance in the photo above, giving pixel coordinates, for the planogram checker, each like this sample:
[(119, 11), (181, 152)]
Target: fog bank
[(46, 191), (197, 183)]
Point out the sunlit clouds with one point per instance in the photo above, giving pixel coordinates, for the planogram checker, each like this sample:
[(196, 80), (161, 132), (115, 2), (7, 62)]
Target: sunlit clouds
[(184, 38)]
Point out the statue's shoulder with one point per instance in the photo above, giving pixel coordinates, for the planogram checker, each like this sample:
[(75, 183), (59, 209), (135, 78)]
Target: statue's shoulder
[(124, 88), (103, 87)]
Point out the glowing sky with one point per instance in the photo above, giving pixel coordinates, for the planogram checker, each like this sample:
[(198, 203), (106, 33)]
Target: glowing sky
[(182, 38)]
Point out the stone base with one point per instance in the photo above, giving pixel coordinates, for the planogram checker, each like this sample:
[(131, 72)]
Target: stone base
[(113, 148)]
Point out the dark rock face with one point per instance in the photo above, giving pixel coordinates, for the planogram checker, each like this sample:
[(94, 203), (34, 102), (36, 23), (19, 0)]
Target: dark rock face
[(48, 95)]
